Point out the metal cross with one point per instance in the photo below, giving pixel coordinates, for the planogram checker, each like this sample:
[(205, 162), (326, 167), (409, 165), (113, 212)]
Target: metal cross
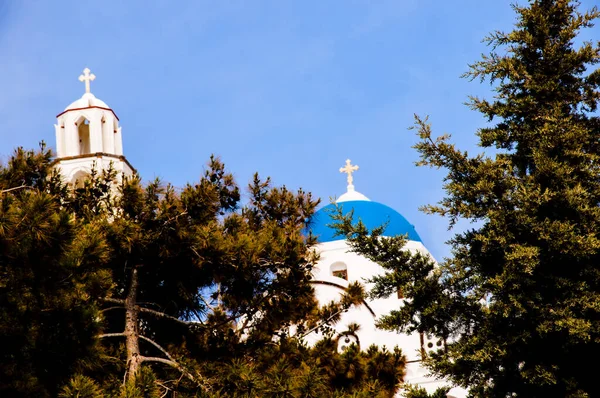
[(87, 77), (349, 169)]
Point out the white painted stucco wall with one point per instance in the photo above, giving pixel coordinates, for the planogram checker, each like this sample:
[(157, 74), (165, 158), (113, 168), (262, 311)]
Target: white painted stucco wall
[(360, 269), (105, 140)]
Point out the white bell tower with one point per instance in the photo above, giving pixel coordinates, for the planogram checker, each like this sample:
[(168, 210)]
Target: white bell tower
[(88, 136)]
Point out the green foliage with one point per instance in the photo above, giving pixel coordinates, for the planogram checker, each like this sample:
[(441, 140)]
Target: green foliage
[(116, 288), (294, 370), (419, 392), (81, 387), (236, 276), (48, 280), (143, 386), (518, 300)]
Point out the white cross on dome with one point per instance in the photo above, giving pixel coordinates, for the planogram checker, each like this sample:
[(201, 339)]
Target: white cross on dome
[(87, 77)]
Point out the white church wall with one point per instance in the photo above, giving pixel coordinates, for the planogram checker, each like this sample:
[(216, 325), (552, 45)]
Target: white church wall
[(118, 142), (360, 269), (71, 121), (70, 167), (108, 132)]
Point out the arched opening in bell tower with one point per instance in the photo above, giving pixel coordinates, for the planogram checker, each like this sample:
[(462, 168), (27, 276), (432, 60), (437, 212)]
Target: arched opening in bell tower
[(79, 179), (83, 136)]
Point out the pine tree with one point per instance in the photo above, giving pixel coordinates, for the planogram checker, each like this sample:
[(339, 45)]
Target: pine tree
[(81, 387), (293, 369), (419, 392), (48, 278), (199, 280), (517, 302), (123, 289), (192, 266)]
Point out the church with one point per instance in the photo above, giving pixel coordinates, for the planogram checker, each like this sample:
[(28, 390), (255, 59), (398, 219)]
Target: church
[(338, 267), (88, 136)]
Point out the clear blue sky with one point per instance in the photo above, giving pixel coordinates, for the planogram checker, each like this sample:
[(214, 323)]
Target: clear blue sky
[(286, 88)]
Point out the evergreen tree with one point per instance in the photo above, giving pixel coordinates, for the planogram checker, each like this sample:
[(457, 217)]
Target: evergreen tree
[(49, 274), (81, 387), (113, 288), (199, 281), (517, 302), (292, 369), (190, 267), (419, 392)]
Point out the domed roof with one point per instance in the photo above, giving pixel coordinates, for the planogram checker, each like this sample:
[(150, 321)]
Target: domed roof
[(352, 195), (87, 101), (372, 214)]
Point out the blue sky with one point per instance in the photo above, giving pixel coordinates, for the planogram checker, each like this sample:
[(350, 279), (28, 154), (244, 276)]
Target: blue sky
[(289, 89)]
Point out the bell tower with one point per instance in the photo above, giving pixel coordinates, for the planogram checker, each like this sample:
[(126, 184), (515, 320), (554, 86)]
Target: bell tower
[(88, 136)]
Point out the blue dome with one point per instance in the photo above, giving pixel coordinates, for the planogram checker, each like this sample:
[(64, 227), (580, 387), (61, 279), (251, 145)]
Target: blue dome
[(372, 214)]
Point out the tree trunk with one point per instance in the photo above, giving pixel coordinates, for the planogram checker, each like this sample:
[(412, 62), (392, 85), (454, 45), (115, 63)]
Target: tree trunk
[(134, 359)]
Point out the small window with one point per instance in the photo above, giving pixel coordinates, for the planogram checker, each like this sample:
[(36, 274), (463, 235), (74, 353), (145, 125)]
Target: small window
[(339, 270), (431, 343), (341, 274), (346, 340)]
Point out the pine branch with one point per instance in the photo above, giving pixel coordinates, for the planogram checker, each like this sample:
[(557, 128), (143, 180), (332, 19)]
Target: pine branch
[(175, 217), (101, 336), (167, 389), (162, 315), (170, 361), (201, 383), (155, 344), (325, 322), (16, 188), (113, 300), (112, 308), (207, 304), (157, 314)]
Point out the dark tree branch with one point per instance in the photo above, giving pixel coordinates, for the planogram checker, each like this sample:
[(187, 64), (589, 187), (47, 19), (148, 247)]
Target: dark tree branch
[(201, 383), (162, 315), (101, 336), (112, 308), (155, 344), (207, 304), (167, 389), (322, 322), (113, 300), (157, 314), (16, 188)]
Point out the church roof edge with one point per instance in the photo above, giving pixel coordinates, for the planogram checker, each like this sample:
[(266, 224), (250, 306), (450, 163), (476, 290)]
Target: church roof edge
[(88, 107)]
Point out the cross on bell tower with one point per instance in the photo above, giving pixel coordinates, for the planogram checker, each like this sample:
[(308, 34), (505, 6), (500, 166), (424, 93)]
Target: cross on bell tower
[(87, 77)]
